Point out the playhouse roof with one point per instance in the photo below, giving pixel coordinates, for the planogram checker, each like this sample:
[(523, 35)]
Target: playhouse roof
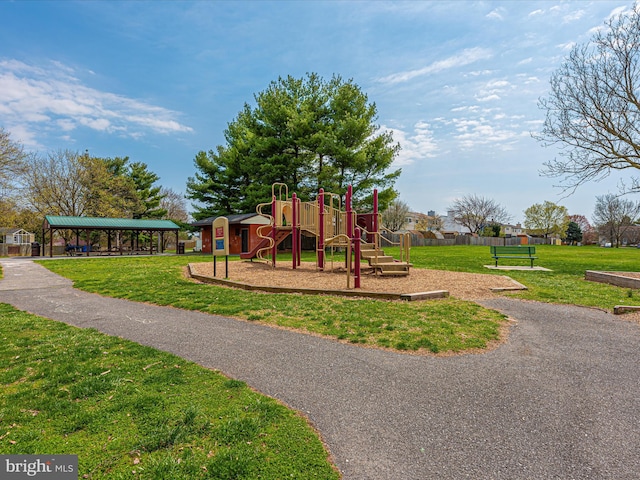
[(241, 218), (11, 231)]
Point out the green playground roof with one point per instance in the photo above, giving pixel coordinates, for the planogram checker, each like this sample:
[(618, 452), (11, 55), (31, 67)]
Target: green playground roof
[(98, 223)]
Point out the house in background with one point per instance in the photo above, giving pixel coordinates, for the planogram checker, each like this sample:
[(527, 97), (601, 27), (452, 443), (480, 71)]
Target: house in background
[(450, 226), (411, 221), (16, 236), (416, 221), (242, 232), (15, 242), (513, 230)]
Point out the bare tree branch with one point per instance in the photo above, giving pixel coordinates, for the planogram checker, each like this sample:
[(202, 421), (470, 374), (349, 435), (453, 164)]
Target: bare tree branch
[(593, 110), (475, 212)]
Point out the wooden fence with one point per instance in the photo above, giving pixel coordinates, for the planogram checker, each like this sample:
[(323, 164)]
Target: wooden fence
[(418, 240), (17, 250)]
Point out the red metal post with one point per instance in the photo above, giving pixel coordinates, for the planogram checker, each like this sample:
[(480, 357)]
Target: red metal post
[(274, 231), (294, 230), (320, 252), (375, 210), (356, 267), (299, 240)]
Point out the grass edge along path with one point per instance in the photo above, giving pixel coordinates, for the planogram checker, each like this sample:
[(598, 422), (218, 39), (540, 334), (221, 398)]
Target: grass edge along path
[(130, 411), (565, 282), (442, 326)]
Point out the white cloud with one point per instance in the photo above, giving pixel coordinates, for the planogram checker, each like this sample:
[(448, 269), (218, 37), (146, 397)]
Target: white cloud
[(416, 145), (573, 16), (465, 57), (566, 46), (488, 98), (477, 73), (492, 90), (496, 14), (33, 97), (619, 11), (536, 12), (471, 133)]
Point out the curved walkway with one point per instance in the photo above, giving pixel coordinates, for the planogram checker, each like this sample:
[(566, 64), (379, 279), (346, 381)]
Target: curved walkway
[(559, 400)]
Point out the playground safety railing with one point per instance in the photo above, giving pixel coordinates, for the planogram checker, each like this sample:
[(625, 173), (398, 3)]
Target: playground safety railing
[(404, 243), (307, 217), (343, 240)]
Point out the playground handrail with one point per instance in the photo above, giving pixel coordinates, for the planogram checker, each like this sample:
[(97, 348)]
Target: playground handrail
[(280, 186), (347, 240), (404, 243)]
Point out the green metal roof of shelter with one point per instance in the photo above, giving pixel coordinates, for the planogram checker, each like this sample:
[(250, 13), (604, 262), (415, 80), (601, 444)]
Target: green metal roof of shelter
[(98, 223)]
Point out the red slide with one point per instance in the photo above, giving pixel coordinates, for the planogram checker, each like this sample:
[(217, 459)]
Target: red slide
[(280, 236)]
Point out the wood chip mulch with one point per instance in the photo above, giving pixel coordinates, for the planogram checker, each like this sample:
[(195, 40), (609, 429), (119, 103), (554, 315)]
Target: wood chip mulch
[(465, 286)]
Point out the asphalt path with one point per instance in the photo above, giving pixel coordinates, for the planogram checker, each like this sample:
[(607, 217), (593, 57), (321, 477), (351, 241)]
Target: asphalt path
[(559, 400)]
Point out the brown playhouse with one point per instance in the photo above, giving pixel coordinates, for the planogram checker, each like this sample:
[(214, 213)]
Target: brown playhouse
[(333, 227)]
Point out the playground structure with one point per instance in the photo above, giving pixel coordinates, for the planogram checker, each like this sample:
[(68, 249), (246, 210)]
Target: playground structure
[(361, 235)]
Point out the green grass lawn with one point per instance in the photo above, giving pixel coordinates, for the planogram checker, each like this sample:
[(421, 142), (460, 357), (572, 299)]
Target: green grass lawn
[(126, 408), (448, 325), (565, 282), (133, 412)]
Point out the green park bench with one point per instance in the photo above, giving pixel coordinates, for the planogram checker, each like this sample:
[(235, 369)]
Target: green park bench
[(523, 251)]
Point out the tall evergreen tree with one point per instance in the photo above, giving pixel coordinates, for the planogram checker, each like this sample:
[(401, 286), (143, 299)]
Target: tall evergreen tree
[(149, 195), (307, 133)]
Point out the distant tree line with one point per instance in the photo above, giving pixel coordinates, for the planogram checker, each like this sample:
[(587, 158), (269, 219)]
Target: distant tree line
[(614, 219), (77, 184)]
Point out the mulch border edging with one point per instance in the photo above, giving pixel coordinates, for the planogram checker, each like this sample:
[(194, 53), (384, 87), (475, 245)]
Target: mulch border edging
[(314, 291), (612, 278)]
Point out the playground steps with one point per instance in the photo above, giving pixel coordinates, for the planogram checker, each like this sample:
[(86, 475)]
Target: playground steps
[(381, 263)]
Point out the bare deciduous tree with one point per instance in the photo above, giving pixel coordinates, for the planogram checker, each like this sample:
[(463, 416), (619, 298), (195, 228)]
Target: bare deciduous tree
[(593, 110), (614, 215), (12, 158), (67, 183), (175, 205), (475, 212), (394, 218), (54, 184)]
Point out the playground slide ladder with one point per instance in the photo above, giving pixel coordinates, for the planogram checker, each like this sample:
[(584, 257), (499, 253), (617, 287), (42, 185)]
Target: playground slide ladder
[(281, 207)]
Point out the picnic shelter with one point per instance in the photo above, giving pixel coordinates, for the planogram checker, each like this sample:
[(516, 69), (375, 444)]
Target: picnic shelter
[(122, 234)]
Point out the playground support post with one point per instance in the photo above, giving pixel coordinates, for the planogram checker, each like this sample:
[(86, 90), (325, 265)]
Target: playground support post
[(356, 253), (294, 231), (349, 211), (375, 210), (226, 266), (320, 246), (299, 236), (274, 230)]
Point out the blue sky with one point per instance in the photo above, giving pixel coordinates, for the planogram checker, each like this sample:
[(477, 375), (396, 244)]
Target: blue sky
[(456, 82)]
